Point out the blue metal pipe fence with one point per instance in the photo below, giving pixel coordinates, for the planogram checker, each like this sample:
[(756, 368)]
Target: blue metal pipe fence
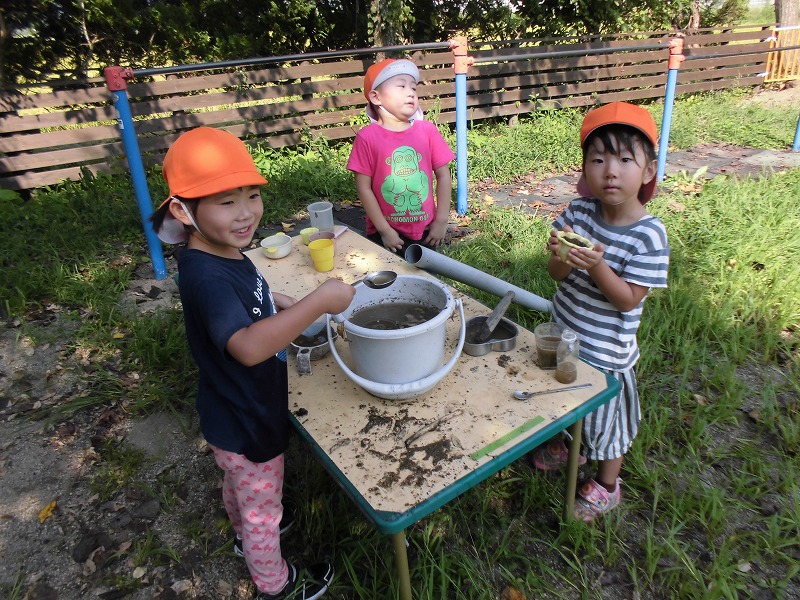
[(140, 188), (116, 78)]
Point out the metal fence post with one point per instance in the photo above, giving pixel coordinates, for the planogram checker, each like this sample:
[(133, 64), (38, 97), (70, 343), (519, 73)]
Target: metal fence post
[(676, 57), (796, 145), (461, 64), (116, 80)]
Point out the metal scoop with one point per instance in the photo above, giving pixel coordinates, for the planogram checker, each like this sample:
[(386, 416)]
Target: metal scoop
[(379, 279), (520, 395)]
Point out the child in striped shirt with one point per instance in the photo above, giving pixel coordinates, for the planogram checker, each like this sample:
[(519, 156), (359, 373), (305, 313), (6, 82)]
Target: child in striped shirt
[(602, 289)]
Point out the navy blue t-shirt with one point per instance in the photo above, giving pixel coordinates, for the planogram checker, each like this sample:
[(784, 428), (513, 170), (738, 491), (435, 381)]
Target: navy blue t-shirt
[(242, 409)]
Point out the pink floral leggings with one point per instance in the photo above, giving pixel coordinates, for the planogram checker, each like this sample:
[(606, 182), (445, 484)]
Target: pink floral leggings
[(252, 494)]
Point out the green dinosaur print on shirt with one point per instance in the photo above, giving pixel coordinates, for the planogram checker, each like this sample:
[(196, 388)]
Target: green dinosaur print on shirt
[(406, 187)]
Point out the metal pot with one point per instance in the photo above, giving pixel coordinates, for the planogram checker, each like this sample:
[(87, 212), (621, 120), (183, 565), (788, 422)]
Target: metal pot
[(503, 338), (308, 351)]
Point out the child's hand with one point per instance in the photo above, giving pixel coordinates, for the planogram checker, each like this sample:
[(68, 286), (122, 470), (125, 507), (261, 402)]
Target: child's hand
[(337, 295), (586, 258), (436, 234), (282, 301), (391, 240), (552, 241)]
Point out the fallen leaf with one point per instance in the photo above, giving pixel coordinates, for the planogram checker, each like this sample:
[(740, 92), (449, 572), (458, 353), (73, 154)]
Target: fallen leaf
[(677, 206), (511, 593), (47, 511), (89, 567), (181, 586), (224, 588), (287, 226), (118, 335), (744, 567), (139, 572), (700, 399), (487, 199)]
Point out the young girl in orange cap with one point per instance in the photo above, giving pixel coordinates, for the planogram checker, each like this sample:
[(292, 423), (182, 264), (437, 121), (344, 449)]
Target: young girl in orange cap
[(602, 289), (238, 329)]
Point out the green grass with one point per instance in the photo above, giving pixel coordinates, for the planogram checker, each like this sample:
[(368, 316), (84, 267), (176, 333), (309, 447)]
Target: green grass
[(711, 499), (711, 505)]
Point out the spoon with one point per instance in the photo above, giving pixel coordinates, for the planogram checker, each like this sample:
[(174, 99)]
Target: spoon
[(520, 395), (379, 279), (376, 280)]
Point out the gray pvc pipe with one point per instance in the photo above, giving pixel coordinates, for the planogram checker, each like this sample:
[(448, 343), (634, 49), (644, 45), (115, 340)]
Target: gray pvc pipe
[(430, 260)]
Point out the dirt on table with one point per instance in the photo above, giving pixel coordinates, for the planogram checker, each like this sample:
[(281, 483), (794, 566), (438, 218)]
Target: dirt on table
[(59, 538)]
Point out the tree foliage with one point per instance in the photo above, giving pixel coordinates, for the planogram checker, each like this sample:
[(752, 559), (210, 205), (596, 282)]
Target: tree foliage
[(582, 17), (47, 35), (40, 37)]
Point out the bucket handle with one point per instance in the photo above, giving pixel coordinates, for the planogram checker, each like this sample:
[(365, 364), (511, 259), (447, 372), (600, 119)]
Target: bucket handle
[(404, 391)]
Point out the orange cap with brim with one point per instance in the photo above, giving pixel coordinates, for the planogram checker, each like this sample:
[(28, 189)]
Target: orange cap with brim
[(386, 69), (621, 113), (382, 71), (202, 162)]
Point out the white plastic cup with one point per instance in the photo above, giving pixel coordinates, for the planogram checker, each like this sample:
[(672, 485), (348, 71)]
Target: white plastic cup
[(321, 214)]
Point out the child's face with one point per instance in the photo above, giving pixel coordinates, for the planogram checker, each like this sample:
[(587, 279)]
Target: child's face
[(398, 96), (228, 220), (615, 175)]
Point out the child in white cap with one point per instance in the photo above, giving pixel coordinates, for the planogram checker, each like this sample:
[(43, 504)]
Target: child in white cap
[(396, 160), (238, 329)]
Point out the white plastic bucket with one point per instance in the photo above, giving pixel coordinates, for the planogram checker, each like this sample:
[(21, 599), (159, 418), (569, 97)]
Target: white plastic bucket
[(401, 363)]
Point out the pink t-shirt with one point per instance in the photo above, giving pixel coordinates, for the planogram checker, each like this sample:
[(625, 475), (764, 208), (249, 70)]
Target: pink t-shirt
[(401, 165)]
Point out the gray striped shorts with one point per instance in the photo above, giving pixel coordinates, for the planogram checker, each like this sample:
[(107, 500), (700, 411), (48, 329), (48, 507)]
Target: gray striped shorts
[(608, 432)]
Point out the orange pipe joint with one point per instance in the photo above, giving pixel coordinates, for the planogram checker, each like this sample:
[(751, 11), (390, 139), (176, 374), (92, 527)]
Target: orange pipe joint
[(676, 56), (461, 62), (117, 77)]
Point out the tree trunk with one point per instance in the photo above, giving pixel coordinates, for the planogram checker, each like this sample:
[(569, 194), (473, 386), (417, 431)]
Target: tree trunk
[(694, 20), (376, 19), (387, 18), (786, 12), (3, 39), (82, 63)]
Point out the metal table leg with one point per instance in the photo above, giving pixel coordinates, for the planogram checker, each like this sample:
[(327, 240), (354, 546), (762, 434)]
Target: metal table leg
[(401, 560), (575, 431)]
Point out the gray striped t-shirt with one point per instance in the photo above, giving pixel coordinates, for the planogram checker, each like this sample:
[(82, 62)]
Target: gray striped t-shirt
[(637, 253)]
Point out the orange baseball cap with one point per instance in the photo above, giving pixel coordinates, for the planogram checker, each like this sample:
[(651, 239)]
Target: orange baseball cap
[(388, 67), (622, 113), (202, 162)]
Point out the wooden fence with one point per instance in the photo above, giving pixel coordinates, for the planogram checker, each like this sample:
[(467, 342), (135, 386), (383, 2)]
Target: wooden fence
[(55, 131)]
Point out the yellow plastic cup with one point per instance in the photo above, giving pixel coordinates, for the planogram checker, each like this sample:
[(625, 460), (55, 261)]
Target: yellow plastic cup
[(305, 234), (322, 254)]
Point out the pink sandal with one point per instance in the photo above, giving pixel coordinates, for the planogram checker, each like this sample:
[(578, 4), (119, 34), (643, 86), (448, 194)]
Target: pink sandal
[(594, 500), (553, 456)]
